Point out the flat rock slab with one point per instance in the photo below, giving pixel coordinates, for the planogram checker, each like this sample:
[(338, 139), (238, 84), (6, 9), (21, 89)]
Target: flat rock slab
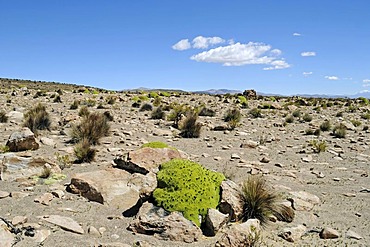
[(22, 141), (13, 167), (65, 223), (145, 160), (6, 237), (108, 186), (231, 200)]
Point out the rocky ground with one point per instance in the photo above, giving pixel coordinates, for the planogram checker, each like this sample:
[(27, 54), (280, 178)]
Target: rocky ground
[(336, 181)]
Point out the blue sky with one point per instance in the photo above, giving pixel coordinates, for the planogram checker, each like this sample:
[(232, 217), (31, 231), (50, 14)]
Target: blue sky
[(283, 47)]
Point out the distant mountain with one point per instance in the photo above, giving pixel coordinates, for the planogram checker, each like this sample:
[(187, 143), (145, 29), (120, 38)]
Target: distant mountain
[(218, 91)]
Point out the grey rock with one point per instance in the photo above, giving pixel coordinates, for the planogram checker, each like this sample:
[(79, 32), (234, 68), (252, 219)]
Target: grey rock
[(292, 234), (214, 221), (164, 225), (106, 187), (48, 141), (145, 184), (41, 235), (329, 233), (44, 199), (353, 235), (249, 144), (146, 160), (237, 235), (18, 220), (93, 231), (4, 194), (22, 141), (65, 223), (7, 239), (231, 200)]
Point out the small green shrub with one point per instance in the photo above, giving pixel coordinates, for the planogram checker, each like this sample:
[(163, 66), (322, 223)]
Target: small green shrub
[(157, 101), (289, 119), (146, 107), (3, 117), (189, 127), (318, 146), (256, 113), (366, 116), (165, 94), (232, 117), (339, 114), (84, 152), (89, 102), (92, 127), (111, 100), (340, 131), (317, 132), (57, 99), (207, 112), (296, 113), (309, 132), (158, 113), (153, 95), (156, 145), (37, 118), (355, 122), (178, 111), (187, 187), (325, 126), (260, 202), (242, 99), (307, 117)]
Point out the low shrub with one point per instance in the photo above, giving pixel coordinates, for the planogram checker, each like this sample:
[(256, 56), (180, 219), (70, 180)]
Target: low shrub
[(37, 118), (158, 113), (74, 105), (84, 111), (92, 127), (146, 107), (156, 145), (289, 119), (84, 152), (355, 122), (340, 131), (232, 117), (307, 117), (108, 115), (187, 187), (189, 127), (325, 126), (296, 113), (318, 146), (256, 113), (207, 112)]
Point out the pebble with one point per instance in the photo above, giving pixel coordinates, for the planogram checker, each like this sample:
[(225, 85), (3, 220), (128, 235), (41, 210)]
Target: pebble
[(329, 233)]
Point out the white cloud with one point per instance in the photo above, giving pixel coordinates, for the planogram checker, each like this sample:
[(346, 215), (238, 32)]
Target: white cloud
[(242, 54), (201, 42), (305, 74), (297, 34), (308, 54), (182, 45), (332, 78), (277, 64), (366, 81), (276, 52), (365, 91)]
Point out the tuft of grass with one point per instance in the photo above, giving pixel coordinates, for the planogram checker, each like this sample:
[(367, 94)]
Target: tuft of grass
[(111, 100), (207, 112), (189, 127), (46, 172), (289, 119), (37, 118), (3, 117), (318, 146), (158, 113), (74, 105), (340, 131), (232, 117), (296, 113), (57, 99), (92, 127), (108, 115), (307, 117), (84, 152), (260, 202), (256, 113), (84, 111), (355, 122), (325, 126)]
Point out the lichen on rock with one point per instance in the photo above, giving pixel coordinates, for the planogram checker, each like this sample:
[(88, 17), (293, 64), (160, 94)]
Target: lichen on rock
[(189, 188)]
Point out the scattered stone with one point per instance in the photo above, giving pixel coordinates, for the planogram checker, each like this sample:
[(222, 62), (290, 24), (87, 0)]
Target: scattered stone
[(352, 234), (146, 159), (106, 187), (7, 239), (65, 223), (164, 225), (249, 144), (265, 160), (93, 231), (329, 233), (235, 157), (58, 193), (18, 220), (237, 234), (44, 199), (145, 184), (217, 158), (231, 200), (48, 141), (41, 235), (115, 244), (336, 179), (19, 194), (292, 234), (214, 221), (4, 194), (308, 158), (22, 141), (349, 194)]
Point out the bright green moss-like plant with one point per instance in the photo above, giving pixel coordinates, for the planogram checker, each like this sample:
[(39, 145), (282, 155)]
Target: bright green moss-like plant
[(189, 188), (155, 145)]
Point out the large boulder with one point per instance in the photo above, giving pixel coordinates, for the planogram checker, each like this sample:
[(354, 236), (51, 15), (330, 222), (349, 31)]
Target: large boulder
[(156, 221), (231, 200), (145, 160), (13, 167), (215, 220), (22, 140), (108, 187), (237, 235), (303, 201)]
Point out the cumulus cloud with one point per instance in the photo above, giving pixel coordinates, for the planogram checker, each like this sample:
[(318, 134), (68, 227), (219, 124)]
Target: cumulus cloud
[(305, 74), (366, 81), (182, 45), (297, 34), (365, 91), (242, 54), (201, 42), (308, 54), (332, 78)]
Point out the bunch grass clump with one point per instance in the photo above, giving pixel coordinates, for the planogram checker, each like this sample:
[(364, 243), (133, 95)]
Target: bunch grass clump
[(318, 146), (37, 118), (84, 152), (325, 126), (204, 111), (260, 202), (189, 127), (189, 188), (255, 113), (340, 131), (233, 117), (146, 107), (158, 113), (92, 127)]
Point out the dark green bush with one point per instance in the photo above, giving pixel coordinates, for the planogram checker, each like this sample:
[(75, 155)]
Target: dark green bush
[(146, 107), (84, 111), (207, 112), (307, 117), (158, 113)]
